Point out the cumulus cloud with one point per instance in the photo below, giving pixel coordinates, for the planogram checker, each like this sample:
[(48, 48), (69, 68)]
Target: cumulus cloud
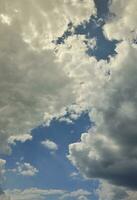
[(25, 169), (40, 80), (21, 138), (122, 24), (34, 85), (112, 192), (109, 151), (50, 145), (29, 87), (41, 22)]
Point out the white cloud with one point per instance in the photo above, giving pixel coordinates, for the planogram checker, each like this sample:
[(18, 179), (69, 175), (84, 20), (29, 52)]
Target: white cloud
[(35, 85), (41, 21), (32, 193), (42, 85), (74, 174), (42, 194), (123, 23), (25, 169), (50, 145), (5, 19), (21, 138), (31, 84)]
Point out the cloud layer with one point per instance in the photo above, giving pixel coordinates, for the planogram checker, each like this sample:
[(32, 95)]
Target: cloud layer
[(41, 80), (34, 87), (41, 22), (42, 194)]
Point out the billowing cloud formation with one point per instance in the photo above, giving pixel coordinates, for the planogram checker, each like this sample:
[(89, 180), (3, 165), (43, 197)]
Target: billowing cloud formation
[(41, 22), (34, 86), (42, 194), (39, 79), (109, 152), (122, 24), (29, 86)]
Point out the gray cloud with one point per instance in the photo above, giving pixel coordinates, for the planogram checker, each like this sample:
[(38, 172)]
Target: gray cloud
[(110, 192), (109, 152)]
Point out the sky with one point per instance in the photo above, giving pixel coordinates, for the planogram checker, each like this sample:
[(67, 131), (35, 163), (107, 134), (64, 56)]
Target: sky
[(68, 100)]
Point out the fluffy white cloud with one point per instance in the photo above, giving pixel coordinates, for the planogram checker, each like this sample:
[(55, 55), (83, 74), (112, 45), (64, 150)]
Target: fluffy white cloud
[(34, 86), (38, 86), (31, 84), (122, 24), (21, 138), (25, 169), (41, 22), (50, 145)]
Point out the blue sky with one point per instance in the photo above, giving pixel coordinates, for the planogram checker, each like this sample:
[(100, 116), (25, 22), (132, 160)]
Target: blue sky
[(55, 170), (68, 100), (55, 167)]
